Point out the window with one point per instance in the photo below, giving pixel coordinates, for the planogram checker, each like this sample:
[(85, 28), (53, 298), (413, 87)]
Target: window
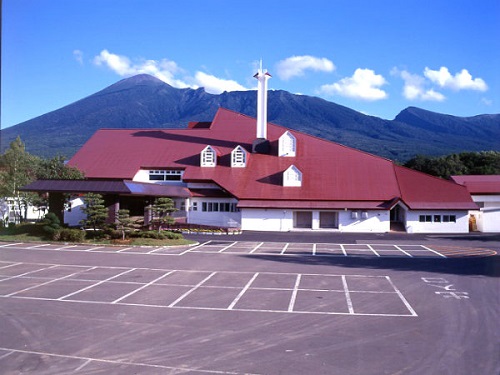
[(165, 175), (218, 207), (238, 157), (194, 206), (449, 219), (287, 145), (208, 157), (425, 218), (292, 176)]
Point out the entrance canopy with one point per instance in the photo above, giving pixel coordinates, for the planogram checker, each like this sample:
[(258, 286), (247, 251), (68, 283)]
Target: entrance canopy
[(124, 187)]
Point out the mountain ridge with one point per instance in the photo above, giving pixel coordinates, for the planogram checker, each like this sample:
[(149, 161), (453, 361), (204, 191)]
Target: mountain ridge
[(144, 101)]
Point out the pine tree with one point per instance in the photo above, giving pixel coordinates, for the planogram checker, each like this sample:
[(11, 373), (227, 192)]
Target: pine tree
[(95, 210), (162, 210)]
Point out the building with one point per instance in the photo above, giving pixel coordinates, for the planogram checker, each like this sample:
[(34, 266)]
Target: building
[(241, 172), (485, 192)]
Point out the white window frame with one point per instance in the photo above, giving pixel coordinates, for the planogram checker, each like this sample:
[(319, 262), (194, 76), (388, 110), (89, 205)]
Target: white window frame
[(287, 145), (292, 176), (239, 157), (208, 157)]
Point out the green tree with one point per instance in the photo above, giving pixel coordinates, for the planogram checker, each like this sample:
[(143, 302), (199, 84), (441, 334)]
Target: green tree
[(481, 163), (123, 222), (17, 169), (95, 210), (56, 169), (162, 210)]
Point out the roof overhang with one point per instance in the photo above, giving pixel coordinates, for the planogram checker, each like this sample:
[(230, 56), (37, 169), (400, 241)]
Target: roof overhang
[(321, 205), (121, 187)]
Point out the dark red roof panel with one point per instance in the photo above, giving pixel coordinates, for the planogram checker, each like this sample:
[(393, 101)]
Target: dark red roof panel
[(421, 191), (479, 184)]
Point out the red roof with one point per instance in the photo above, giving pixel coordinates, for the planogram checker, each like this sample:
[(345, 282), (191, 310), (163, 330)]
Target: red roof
[(421, 191), (331, 172), (479, 184)]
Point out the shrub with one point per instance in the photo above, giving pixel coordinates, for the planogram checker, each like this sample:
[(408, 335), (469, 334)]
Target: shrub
[(51, 225), (72, 235)]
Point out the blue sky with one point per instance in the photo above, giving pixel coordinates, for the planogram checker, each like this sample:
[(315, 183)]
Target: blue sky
[(375, 56)]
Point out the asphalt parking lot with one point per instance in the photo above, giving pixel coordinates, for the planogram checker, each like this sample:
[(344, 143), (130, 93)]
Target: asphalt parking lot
[(243, 305)]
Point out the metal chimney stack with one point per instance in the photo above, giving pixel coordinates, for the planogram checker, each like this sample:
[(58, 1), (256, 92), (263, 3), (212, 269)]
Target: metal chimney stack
[(261, 144)]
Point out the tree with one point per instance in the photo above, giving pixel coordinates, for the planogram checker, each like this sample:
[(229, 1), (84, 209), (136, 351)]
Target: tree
[(17, 169), (95, 210), (162, 210), (56, 169), (481, 163), (123, 222)]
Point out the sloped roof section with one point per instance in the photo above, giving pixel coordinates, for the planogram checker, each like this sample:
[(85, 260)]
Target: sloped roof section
[(479, 184), (420, 191)]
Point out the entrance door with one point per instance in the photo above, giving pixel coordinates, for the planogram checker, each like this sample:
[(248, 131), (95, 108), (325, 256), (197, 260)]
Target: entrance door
[(303, 219), (328, 220)]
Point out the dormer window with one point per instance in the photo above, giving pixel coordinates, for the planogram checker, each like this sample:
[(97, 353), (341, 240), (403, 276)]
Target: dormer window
[(239, 157), (292, 176), (208, 157), (287, 144)]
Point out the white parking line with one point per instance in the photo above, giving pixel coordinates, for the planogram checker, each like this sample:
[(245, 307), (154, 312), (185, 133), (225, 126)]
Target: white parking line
[(342, 247), (347, 295), (403, 251), (142, 287), (242, 292), (47, 282), (294, 293), (27, 273), (227, 247), (284, 249), (191, 290), (372, 249), (37, 246), (172, 369), (434, 251), (195, 247), (93, 285), (255, 248), (408, 306)]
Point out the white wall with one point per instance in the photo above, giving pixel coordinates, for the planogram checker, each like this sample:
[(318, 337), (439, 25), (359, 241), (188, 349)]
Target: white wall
[(377, 222), (218, 218), (488, 218), (266, 220), (413, 225), (282, 221), (75, 215)]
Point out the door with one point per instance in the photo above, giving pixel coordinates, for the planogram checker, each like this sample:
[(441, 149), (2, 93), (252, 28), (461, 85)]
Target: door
[(328, 220), (303, 219)]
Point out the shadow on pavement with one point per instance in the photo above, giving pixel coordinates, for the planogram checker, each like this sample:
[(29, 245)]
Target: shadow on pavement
[(480, 266)]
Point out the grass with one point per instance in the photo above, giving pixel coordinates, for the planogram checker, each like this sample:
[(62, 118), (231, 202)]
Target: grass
[(34, 233)]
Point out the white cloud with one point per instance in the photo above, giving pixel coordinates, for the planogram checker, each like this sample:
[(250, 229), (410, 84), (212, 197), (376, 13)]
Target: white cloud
[(295, 66), (163, 69), (414, 87), (216, 85), (364, 84), (460, 81), (166, 70), (78, 55)]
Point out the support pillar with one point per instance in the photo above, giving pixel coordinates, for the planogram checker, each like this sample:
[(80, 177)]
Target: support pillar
[(56, 205)]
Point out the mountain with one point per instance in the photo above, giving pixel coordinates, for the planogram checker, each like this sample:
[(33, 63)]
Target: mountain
[(143, 101)]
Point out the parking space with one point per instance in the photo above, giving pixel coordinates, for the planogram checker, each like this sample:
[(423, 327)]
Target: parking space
[(250, 307), (237, 291), (315, 249), (276, 248)]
